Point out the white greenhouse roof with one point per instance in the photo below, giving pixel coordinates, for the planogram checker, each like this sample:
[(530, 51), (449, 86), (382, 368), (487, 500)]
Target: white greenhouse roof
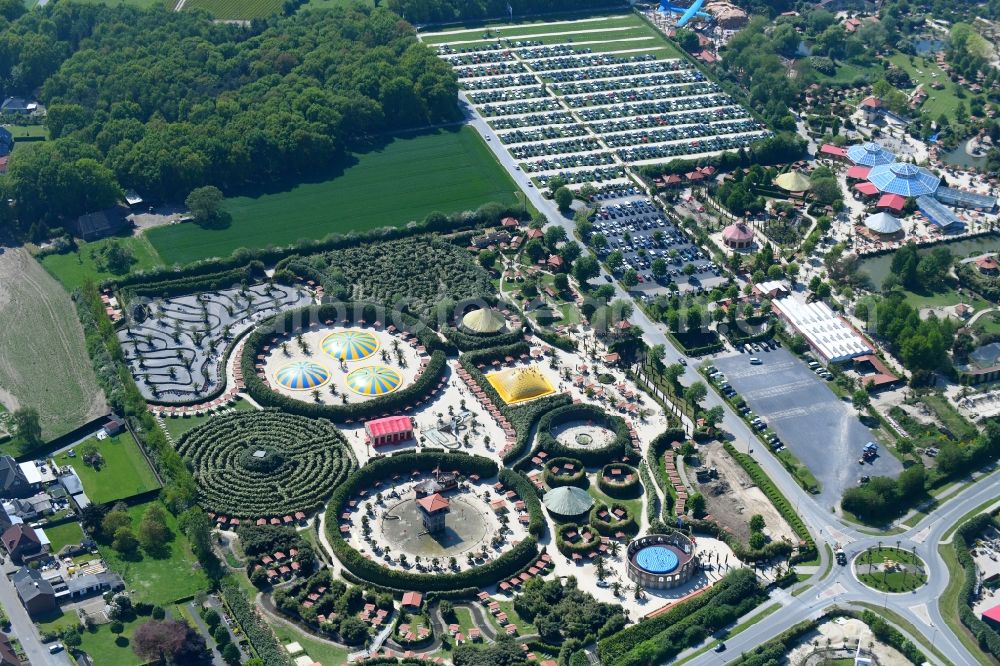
[(825, 331)]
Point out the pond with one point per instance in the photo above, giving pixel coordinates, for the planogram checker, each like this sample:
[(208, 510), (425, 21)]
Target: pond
[(959, 157), (877, 268), (925, 45)]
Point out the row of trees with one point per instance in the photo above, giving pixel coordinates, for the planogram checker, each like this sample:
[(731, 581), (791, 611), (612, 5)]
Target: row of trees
[(168, 101)]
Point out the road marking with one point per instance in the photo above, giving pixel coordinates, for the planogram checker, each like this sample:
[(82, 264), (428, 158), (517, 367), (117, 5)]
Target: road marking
[(920, 612), (832, 591), (921, 536)]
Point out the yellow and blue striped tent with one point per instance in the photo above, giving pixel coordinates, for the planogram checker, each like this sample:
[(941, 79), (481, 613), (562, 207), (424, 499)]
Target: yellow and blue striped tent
[(302, 376), (350, 345), (374, 380)]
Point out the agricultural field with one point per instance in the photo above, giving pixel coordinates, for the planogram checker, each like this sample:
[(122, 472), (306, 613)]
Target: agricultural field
[(160, 580), (75, 268), (236, 9), (123, 474), (582, 100), (141, 4), (405, 180), (43, 359)]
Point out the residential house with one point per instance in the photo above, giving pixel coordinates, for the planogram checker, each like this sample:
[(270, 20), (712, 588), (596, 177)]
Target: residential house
[(36, 593), (102, 223), (13, 483), (22, 542)]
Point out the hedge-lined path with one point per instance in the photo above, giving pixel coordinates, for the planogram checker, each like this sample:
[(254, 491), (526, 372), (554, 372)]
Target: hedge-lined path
[(266, 604)]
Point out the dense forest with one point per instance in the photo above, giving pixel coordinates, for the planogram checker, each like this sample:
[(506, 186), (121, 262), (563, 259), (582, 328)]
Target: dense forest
[(164, 101)]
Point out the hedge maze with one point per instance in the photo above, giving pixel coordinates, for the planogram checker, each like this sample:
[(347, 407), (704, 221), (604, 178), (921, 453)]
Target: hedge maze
[(265, 464)]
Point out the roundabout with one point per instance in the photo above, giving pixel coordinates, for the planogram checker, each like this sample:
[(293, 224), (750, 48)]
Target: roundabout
[(891, 570)]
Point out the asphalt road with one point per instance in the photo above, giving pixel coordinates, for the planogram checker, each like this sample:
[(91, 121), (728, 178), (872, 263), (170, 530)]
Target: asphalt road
[(24, 629), (837, 585)]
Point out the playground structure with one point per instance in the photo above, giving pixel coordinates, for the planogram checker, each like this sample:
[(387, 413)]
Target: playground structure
[(687, 13)]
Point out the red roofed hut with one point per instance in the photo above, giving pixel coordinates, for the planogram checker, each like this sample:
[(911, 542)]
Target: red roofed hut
[(389, 430)]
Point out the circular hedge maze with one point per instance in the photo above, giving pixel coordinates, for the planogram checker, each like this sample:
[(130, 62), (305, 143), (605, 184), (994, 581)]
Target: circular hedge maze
[(259, 464)]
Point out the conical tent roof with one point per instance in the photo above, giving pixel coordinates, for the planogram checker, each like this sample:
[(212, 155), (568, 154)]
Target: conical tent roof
[(483, 320), (568, 501), (883, 223), (793, 181)]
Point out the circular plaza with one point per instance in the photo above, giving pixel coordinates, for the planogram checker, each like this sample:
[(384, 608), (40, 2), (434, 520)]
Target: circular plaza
[(583, 435), (661, 561), (336, 365)]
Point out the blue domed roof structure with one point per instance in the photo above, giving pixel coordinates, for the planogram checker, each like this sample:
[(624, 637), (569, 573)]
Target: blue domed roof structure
[(302, 376), (350, 345), (904, 179), (870, 154), (374, 380)]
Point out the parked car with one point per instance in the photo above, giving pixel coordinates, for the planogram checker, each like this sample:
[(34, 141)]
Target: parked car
[(755, 361)]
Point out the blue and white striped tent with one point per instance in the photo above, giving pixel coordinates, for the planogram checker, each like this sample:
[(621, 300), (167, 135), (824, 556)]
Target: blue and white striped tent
[(302, 376), (904, 179), (870, 154), (374, 380)]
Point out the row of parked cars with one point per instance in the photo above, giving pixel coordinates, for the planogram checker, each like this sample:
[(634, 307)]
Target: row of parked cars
[(758, 424), (670, 119), (628, 82)]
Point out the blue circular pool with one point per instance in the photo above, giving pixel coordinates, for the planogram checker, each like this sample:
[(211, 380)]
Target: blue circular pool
[(656, 559)]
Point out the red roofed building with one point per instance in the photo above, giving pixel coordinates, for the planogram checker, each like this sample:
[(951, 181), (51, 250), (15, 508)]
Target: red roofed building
[(389, 430), (412, 600), (893, 202), (433, 509), (988, 265), (991, 616), (555, 261), (508, 222), (872, 108), (866, 188), (858, 172), (21, 542), (832, 151), (535, 233)]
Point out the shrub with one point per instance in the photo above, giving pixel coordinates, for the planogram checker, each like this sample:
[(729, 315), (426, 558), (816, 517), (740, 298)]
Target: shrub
[(258, 633), (624, 485), (578, 477), (591, 414), (611, 524)]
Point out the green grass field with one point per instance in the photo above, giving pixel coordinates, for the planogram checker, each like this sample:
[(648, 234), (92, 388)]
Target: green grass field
[(329, 4), (142, 4), (75, 268), (608, 33), (926, 71), (159, 580), (236, 9), (445, 170), (895, 581), (323, 653), (43, 358), (528, 28), (28, 131), (64, 535), (125, 472)]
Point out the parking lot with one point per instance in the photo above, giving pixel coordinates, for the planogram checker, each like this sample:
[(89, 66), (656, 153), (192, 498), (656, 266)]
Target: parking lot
[(635, 227), (819, 428)]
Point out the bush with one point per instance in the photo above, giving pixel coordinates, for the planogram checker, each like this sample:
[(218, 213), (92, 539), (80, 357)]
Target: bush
[(258, 633), (369, 570), (610, 524), (528, 493), (618, 447), (625, 485), (578, 477)]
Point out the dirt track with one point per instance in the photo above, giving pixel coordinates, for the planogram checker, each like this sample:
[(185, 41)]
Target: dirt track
[(43, 358), (733, 498)]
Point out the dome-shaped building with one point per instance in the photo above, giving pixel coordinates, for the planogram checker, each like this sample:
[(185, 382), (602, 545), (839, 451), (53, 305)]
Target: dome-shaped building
[(870, 154), (567, 502), (737, 236), (350, 345), (884, 225), (302, 376), (517, 385), (483, 321), (374, 380), (904, 179), (793, 181)]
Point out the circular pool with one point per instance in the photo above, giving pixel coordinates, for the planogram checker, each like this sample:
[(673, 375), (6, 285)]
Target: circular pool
[(657, 559)]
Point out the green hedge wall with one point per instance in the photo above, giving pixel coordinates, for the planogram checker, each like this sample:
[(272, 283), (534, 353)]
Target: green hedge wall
[(578, 478), (251, 272), (807, 549), (299, 319), (609, 527), (567, 548), (470, 342), (368, 570), (521, 417), (965, 536), (584, 412), (259, 634), (527, 491), (622, 490)]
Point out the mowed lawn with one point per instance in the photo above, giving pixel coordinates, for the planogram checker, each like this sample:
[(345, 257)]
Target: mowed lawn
[(180, 425), (124, 473), (236, 9), (445, 170), (159, 580), (926, 71), (43, 358), (64, 535), (75, 268)]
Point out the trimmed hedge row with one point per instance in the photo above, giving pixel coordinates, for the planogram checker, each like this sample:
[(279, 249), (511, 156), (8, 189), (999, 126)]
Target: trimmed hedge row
[(655, 640), (368, 570), (528, 493), (609, 527), (578, 478), (489, 214), (656, 450), (300, 319), (567, 548), (584, 412), (522, 417), (965, 535), (472, 342), (807, 550), (251, 272), (623, 490), (259, 634)]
